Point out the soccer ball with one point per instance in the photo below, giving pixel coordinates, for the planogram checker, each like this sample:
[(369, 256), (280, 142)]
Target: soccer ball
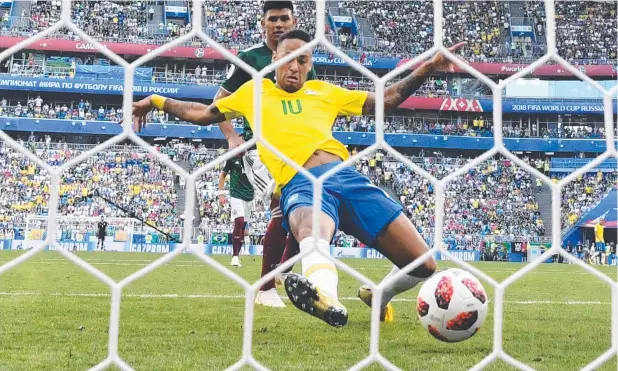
[(452, 305)]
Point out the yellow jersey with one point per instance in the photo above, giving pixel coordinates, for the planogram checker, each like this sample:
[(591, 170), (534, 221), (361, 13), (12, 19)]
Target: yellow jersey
[(297, 124), (598, 233)]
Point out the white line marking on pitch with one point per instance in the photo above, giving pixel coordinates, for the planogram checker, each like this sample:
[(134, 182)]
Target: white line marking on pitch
[(143, 263), (213, 296)]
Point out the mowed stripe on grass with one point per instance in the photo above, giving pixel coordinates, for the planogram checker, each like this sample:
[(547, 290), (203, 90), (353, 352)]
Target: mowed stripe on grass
[(242, 297), (55, 316)]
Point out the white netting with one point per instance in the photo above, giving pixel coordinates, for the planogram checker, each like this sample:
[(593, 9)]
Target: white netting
[(80, 230), (113, 357)]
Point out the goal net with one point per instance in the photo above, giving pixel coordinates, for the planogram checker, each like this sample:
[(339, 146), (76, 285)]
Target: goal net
[(42, 233), (79, 233)]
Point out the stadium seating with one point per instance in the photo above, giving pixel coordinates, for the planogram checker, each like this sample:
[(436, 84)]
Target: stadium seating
[(214, 215), (38, 108), (582, 194), (399, 29), (479, 125), (126, 174), (105, 20), (407, 28), (586, 30), (494, 199)]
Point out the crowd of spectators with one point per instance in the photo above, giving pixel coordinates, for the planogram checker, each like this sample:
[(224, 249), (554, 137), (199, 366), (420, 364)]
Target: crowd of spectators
[(128, 175), (44, 14), (124, 20), (434, 87), (201, 75), (237, 23), (584, 193), (36, 107), (215, 216), (479, 126), (586, 30), (494, 199), (104, 20), (407, 27), (400, 27), (474, 126)]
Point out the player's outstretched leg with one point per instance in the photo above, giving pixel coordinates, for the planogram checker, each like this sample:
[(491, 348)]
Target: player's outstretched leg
[(315, 291), (291, 249), (274, 243), (238, 236), (401, 243)]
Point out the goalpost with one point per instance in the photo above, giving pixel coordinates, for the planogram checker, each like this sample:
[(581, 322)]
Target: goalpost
[(80, 233), (374, 354)]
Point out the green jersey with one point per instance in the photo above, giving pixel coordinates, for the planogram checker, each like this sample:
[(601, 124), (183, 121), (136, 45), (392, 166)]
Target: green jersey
[(258, 56), (240, 187)]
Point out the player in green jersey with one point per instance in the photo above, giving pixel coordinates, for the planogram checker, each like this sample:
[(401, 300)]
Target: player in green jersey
[(241, 202), (278, 17)]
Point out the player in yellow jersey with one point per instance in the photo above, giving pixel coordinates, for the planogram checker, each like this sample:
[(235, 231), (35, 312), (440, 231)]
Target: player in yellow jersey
[(297, 119), (599, 239)]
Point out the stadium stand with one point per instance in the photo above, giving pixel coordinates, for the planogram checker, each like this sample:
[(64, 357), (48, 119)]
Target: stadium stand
[(485, 25), (126, 174), (477, 125), (395, 28), (60, 96), (583, 194), (496, 199)]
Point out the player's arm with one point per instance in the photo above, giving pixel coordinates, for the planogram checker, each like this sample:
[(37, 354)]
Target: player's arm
[(235, 79), (233, 139), (397, 93), (195, 113), (222, 177)]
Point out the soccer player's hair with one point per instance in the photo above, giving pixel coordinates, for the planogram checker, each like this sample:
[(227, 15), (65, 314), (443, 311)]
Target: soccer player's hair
[(278, 4), (295, 34)]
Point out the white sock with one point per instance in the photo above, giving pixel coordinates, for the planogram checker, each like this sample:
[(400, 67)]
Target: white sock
[(318, 269), (403, 284)]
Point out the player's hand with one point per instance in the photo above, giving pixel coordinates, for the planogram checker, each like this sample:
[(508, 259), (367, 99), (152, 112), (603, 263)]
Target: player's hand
[(442, 63), (140, 110), (222, 199)]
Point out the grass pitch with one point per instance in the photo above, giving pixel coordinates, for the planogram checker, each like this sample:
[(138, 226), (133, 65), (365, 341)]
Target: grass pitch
[(186, 316)]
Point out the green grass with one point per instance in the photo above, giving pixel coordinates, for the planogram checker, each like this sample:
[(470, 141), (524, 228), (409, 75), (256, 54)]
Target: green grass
[(48, 323)]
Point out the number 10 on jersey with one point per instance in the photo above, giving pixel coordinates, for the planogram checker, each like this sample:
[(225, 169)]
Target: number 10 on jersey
[(291, 108)]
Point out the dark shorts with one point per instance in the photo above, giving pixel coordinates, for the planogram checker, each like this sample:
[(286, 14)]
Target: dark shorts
[(357, 207)]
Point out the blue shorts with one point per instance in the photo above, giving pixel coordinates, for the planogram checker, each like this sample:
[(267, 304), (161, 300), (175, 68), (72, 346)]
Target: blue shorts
[(357, 207), (600, 247)]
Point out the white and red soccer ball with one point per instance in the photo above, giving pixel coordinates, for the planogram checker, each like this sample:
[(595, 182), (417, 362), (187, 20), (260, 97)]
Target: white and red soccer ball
[(452, 305)]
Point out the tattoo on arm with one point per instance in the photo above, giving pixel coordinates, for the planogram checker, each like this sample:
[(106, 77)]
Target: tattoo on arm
[(215, 114), (397, 93)]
